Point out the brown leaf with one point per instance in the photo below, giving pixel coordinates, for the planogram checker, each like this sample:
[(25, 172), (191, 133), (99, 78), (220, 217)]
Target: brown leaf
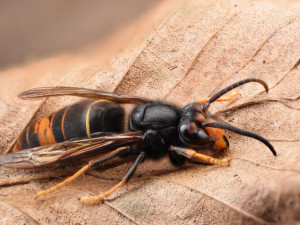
[(195, 52)]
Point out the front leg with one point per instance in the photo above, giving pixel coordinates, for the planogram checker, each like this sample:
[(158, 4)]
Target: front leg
[(221, 99), (190, 153)]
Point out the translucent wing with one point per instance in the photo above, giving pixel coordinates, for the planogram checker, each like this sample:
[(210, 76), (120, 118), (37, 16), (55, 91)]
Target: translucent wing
[(42, 92), (67, 151)]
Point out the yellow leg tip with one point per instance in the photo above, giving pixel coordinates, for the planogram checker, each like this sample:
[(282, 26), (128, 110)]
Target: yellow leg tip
[(92, 199), (46, 192), (40, 193), (233, 95), (225, 162)]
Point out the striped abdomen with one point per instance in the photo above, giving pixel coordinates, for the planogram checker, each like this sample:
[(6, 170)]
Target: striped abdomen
[(76, 121)]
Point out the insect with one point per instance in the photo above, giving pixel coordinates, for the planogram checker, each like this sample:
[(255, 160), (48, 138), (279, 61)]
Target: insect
[(95, 128)]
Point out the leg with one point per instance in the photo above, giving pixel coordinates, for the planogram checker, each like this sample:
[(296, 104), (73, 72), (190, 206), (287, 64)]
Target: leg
[(190, 153), (92, 163), (99, 198), (176, 159), (221, 99)]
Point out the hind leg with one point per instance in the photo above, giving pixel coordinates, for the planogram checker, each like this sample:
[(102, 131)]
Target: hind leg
[(99, 198)]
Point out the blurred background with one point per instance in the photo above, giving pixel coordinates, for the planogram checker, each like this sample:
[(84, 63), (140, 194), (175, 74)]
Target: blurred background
[(32, 29)]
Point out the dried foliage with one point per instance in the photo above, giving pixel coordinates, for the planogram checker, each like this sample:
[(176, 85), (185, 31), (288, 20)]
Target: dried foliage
[(195, 52)]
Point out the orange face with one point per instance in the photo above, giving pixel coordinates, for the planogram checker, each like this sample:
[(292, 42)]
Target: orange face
[(218, 136)]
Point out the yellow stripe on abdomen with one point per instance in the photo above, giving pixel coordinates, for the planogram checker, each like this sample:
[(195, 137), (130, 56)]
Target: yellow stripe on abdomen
[(87, 120)]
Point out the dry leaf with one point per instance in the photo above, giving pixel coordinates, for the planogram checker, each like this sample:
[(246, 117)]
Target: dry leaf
[(194, 53)]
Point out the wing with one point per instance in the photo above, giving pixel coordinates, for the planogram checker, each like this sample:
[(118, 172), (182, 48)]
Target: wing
[(67, 151), (42, 92)]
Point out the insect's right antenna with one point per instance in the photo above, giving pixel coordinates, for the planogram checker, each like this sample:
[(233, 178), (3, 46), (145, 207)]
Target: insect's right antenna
[(226, 126), (229, 88)]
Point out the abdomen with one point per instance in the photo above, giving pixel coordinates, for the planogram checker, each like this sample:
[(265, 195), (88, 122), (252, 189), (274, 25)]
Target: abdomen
[(76, 121)]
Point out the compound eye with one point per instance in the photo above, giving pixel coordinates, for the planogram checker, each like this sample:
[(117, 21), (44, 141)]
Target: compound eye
[(198, 137)]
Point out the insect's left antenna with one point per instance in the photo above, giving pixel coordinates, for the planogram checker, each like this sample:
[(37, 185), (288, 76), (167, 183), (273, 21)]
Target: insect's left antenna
[(229, 88)]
